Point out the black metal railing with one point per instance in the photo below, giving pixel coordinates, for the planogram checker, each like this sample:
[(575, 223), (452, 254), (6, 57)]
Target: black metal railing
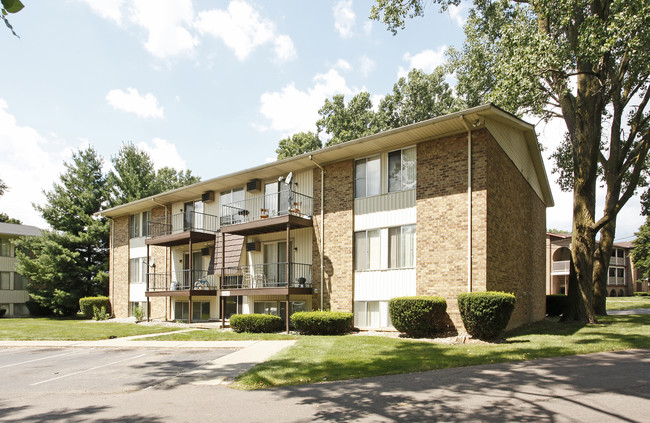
[(182, 222), (268, 275), (182, 280), (266, 206)]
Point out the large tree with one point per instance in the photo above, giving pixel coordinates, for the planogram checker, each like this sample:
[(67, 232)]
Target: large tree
[(71, 260), (584, 61), (299, 143), (641, 251), (342, 122)]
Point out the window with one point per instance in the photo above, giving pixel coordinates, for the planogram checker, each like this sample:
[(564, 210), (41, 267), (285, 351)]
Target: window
[(367, 250), (138, 270), (401, 247), (20, 282), (616, 276), (134, 305), (402, 169), (200, 310), (5, 248), (20, 309), (371, 314), (138, 224), (367, 177), (181, 310), (279, 308), (4, 280), (233, 207)]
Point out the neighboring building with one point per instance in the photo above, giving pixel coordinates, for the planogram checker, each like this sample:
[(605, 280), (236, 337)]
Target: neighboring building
[(348, 227), (623, 279), (13, 286)]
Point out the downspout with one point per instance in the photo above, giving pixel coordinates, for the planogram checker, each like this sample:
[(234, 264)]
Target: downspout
[(322, 225), (469, 203), (111, 271)]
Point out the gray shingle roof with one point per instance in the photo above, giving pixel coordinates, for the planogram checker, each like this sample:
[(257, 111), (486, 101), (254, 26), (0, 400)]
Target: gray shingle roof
[(19, 230)]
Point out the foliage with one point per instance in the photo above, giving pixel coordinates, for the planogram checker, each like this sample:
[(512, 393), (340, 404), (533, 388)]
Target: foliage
[(556, 304), (641, 252), (139, 313), (322, 322), (10, 6), (3, 311), (37, 310), (135, 177), (3, 188), (87, 304), (100, 313), (297, 144), (485, 314), (642, 294), (341, 122), (71, 261), (255, 323), (418, 317)]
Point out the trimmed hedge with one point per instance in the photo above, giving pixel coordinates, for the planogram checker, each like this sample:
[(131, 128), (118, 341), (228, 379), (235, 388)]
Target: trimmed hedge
[(418, 316), (256, 323), (37, 310), (642, 294), (322, 322), (87, 305), (556, 304), (485, 314)]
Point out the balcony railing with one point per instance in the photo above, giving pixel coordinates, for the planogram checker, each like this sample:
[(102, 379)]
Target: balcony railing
[(182, 222), (560, 267), (268, 275), (267, 206), (182, 280), (617, 261)]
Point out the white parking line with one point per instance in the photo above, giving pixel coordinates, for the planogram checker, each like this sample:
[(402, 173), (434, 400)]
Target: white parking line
[(87, 370), (36, 359)]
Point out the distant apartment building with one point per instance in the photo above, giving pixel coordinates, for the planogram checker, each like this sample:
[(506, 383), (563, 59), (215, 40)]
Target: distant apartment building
[(449, 205), (622, 278), (13, 286)]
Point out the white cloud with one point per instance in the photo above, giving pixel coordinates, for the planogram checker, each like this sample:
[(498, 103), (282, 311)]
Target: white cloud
[(344, 18), (107, 9), (343, 65), (456, 13), (366, 65), (426, 60), (367, 28), (163, 153), (242, 29), (29, 163), (165, 22), (291, 110), (131, 101)]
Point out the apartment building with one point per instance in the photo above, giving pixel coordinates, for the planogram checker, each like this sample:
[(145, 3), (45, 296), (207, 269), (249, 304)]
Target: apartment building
[(449, 205), (13, 286), (622, 278)]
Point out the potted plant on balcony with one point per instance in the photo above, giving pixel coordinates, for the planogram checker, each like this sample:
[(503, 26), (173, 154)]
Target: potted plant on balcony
[(296, 207), (264, 213)]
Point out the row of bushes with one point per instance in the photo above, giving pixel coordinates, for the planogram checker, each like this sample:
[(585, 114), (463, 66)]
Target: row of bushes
[(304, 322), (642, 294)]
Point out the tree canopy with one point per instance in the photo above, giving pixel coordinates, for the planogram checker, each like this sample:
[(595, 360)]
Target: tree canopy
[(297, 144), (641, 251), (584, 61)]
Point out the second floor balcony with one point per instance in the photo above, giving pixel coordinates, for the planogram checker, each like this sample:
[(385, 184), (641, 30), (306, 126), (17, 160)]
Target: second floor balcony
[(182, 282), (270, 277), (179, 228), (267, 213)]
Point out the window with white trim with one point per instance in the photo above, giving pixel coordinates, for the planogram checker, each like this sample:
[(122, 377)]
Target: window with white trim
[(138, 224), (137, 270), (401, 247), (367, 177), (616, 276), (402, 169), (367, 250), (5, 248)]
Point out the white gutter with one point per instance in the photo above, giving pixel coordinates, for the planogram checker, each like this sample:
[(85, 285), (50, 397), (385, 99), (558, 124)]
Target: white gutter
[(322, 225), (469, 204)]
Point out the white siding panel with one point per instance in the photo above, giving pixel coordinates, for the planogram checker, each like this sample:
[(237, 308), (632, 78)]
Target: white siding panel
[(136, 292), (137, 247), (7, 264), (301, 239), (381, 211), (513, 142), (11, 296), (383, 285), (305, 182)]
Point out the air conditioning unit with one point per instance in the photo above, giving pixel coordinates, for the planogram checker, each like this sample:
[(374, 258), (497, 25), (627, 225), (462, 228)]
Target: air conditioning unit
[(254, 185), (205, 251), (253, 246), (207, 196)]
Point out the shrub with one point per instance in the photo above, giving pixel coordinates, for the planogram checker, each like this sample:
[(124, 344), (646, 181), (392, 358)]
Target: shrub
[(88, 304), (3, 311), (642, 294), (139, 313), (556, 304), (322, 322), (418, 317), (37, 310), (100, 314), (485, 314), (256, 323)]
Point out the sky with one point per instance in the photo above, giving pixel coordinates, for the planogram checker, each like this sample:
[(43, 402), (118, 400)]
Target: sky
[(210, 86)]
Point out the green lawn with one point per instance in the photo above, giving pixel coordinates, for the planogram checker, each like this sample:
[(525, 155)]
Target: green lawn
[(221, 335), (31, 329), (320, 358), (626, 303)]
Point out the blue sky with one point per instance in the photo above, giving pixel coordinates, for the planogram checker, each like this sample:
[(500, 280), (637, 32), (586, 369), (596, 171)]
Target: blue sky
[(210, 86)]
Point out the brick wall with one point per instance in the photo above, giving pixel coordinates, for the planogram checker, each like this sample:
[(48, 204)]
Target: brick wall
[(516, 232), (119, 267), (442, 214), (160, 305), (339, 202)]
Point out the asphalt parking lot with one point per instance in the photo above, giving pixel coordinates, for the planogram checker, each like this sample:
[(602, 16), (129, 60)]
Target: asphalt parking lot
[(100, 370)]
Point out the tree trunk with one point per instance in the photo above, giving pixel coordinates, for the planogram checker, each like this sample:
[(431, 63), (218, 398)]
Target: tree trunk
[(601, 265)]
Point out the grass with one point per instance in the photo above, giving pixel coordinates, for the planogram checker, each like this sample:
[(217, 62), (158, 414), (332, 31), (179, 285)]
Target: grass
[(221, 335), (627, 303), (32, 329), (327, 358)]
